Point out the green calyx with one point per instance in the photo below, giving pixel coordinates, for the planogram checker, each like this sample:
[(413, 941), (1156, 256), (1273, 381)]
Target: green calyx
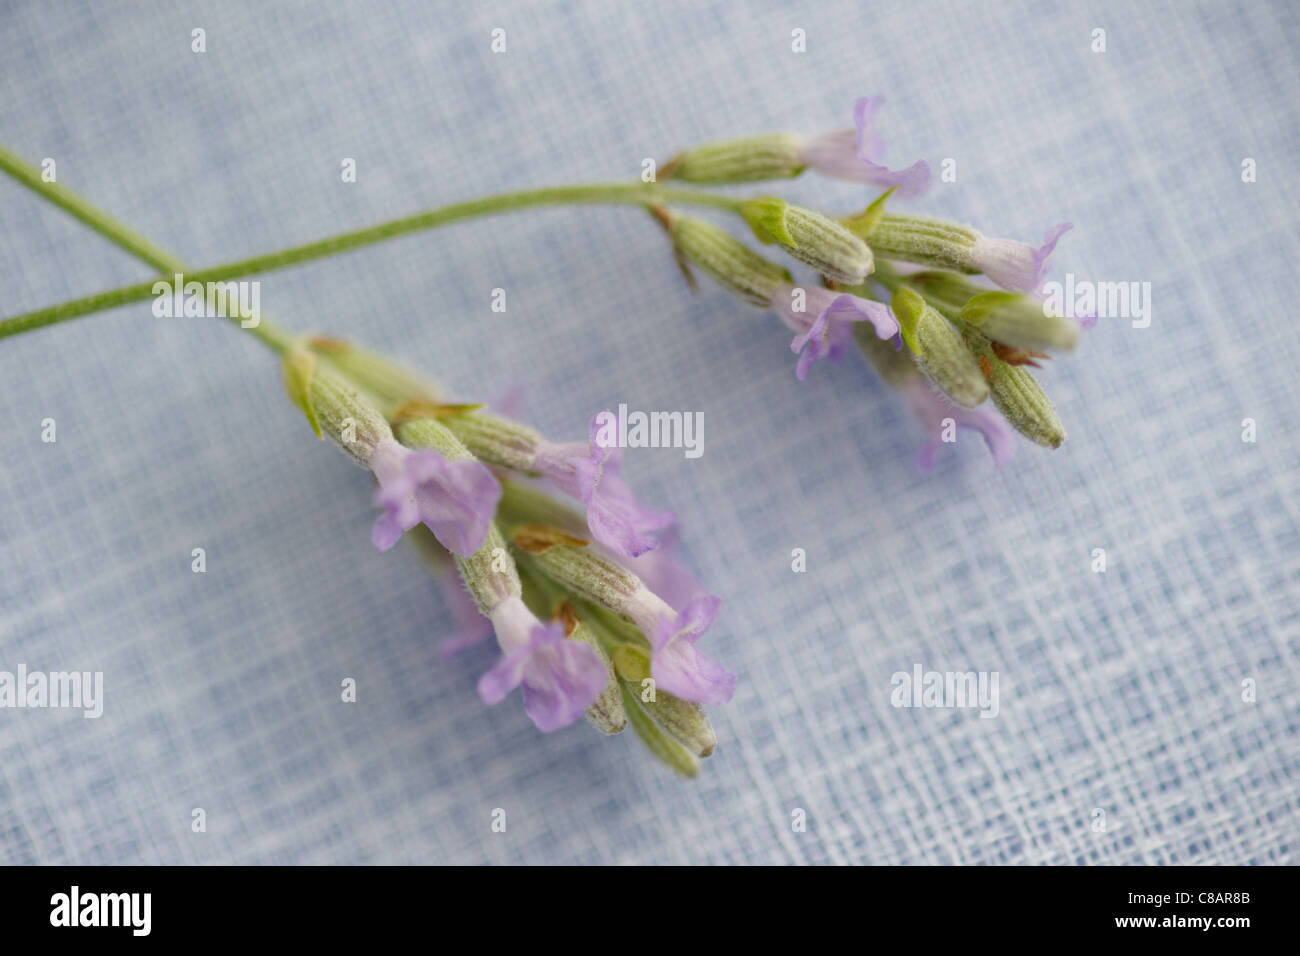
[(746, 159), (940, 351), (730, 262), (924, 240), (815, 240), (1018, 396), (1020, 321)]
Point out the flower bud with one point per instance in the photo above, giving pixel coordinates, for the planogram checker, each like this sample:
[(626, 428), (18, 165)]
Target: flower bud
[(735, 266), (606, 713), (496, 439), (1020, 321), (659, 742), (568, 561), (896, 366), (389, 383), (432, 433), (334, 407), (1010, 263), (925, 240), (1018, 396), (685, 720), (746, 159), (815, 240), (490, 573), (940, 350)]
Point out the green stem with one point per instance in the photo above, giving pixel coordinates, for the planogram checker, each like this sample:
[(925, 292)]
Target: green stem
[(116, 232), (616, 194)]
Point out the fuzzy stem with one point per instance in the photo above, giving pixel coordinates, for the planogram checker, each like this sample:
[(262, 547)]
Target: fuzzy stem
[(608, 194)]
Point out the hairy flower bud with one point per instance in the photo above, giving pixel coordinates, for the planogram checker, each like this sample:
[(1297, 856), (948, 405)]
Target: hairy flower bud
[(940, 351), (734, 265), (815, 240), (334, 407), (685, 720), (657, 740), (579, 569), (745, 159), (1018, 396), (1020, 321), (1010, 263), (389, 383)]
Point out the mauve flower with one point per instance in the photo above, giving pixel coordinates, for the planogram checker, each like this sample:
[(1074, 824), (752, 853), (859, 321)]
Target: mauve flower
[(828, 334), (675, 663), (1015, 265), (932, 408), (456, 499), (561, 678), (589, 473), (858, 155)]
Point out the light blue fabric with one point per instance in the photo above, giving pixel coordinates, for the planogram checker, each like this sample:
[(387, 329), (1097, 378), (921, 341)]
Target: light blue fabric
[(1120, 692)]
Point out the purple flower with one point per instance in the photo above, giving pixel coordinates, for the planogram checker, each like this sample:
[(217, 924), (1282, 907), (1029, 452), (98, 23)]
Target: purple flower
[(456, 499), (663, 574), (831, 332), (589, 473), (1015, 265), (932, 408), (677, 666), (858, 155), (561, 678)]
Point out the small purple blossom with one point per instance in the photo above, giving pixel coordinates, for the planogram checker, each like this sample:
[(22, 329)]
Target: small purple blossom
[(1016, 265), (931, 407), (456, 499), (675, 663), (831, 332), (561, 678), (858, 154), (590, 473)]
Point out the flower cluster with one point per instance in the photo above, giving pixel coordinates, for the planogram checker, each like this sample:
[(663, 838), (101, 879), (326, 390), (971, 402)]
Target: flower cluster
[(592, 614), (947, 315)]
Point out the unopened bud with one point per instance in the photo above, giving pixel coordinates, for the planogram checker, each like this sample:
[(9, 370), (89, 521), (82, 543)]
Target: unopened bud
[(497, 440), (1018, 396), (734, 265), (660, 743), (925, 240), (815, 240), (333, 406), (747, 159), (389, 383), (685, 720), (606, 712), (432, 433), (1020, 321), (490, 573), (895, 365), (578, 568), (940, 351)]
